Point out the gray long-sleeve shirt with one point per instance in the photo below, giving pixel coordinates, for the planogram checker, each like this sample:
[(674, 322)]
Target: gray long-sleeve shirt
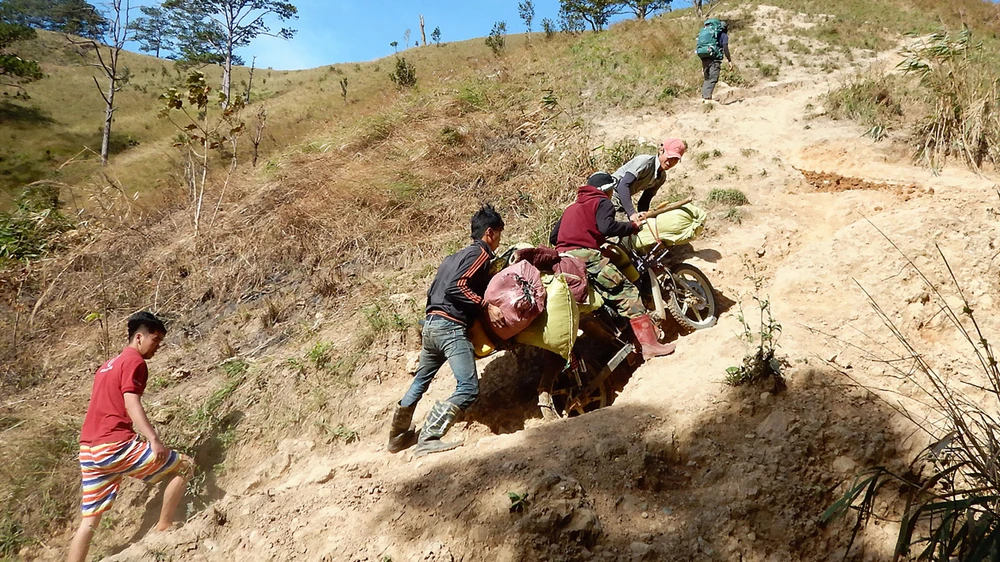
[(641, 174)]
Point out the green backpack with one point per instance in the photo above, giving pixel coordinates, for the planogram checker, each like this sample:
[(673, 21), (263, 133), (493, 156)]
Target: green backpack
[(708, 39)]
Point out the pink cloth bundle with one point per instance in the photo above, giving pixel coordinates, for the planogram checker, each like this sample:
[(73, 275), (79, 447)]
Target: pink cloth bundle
[(518, 292)]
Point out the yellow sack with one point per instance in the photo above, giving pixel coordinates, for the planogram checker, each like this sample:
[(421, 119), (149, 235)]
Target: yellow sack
[(556, 328), (482, 346), (679, 226), (593, 302)]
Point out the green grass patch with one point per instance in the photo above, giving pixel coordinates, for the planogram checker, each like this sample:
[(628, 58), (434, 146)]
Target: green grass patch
[(798, 47), (235, 367), (218, 397), (734, 77), (732, 197), (376, 129), (32, 229), (875, 100), (472, 98), (381, 317), (344, 433), (319, 355), (767, 70), (621, 151), (701, 158)]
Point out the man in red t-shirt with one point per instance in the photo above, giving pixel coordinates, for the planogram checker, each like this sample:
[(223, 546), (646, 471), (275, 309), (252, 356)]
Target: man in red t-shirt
[(109, 446)]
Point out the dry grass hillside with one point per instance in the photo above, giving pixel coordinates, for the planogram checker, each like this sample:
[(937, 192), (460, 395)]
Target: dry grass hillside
[(292, 311)]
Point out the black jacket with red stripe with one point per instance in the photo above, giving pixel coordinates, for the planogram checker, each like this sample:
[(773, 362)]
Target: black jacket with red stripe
[(458, 288)]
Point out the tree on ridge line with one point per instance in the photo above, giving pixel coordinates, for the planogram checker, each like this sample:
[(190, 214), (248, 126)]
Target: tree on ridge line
[(11, 65), (217, 28)]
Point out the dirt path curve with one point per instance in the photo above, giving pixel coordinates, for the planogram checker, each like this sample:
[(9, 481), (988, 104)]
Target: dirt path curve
[(681, 466), (803, 238)]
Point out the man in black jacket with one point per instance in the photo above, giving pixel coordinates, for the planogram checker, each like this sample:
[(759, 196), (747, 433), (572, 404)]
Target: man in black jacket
[(453, 302)]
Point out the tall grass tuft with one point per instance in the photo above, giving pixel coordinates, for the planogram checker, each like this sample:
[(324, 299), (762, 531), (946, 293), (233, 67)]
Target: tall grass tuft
[(622, 151), (731, 197), (32, 228), (760, 336), (874, 100), (964, 118), (952, 489), (46, 479)]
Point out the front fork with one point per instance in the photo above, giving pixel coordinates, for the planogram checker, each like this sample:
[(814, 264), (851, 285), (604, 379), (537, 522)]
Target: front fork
[(656, 291)]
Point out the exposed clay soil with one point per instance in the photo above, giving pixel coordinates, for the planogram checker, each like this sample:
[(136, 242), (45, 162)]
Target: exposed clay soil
[(832, 182)]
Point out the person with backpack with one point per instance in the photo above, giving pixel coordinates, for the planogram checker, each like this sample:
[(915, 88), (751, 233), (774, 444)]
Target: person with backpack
[(712, 47)]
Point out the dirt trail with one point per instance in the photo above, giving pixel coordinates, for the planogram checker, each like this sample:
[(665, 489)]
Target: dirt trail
[(681, 467)]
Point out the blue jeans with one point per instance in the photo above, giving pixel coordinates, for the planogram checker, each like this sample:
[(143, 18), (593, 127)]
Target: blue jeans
[(445, 340)]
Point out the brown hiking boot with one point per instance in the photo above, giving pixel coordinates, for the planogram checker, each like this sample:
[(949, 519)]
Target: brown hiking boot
[(645, 334)]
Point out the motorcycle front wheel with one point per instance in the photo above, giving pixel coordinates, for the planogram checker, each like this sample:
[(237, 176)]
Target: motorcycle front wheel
[(692, 300)]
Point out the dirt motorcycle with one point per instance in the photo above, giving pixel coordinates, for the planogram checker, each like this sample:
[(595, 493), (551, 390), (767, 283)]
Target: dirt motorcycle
[(667, 285)]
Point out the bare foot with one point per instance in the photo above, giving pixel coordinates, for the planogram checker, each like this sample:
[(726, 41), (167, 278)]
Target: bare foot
[(160, 528)]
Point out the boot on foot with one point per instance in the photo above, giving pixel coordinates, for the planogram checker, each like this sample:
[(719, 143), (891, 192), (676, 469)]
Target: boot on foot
[(402, 433), (645, 334), (438, 422)]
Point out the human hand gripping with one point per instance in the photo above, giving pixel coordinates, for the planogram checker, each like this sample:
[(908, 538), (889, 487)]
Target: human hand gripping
[(496, 316), (159, 449)]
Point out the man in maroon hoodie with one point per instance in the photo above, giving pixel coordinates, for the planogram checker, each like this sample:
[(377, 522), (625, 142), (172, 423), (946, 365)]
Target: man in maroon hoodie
[(581, 231)]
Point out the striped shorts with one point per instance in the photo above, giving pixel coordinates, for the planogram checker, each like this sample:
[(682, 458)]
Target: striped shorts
[(104, 465)]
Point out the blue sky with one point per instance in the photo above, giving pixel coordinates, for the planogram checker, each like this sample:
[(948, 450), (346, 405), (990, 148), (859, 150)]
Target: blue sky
[(334, 31)]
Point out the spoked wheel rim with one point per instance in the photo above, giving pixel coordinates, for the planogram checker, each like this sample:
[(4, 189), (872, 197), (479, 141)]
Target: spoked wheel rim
[(693, 304), (565, 392)]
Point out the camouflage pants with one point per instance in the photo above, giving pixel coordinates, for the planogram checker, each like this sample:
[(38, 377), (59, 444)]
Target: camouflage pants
[(611, 283)]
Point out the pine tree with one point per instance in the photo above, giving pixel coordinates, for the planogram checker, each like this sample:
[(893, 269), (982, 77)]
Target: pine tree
[(212, 30), (154, 31), (11, 65)]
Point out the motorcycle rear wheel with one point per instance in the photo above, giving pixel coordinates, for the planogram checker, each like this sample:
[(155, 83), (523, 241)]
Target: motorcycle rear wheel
[(692, 302), (564, 392)]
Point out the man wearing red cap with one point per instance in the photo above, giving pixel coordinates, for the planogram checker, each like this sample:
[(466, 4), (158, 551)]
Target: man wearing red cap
[(644, 174)]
